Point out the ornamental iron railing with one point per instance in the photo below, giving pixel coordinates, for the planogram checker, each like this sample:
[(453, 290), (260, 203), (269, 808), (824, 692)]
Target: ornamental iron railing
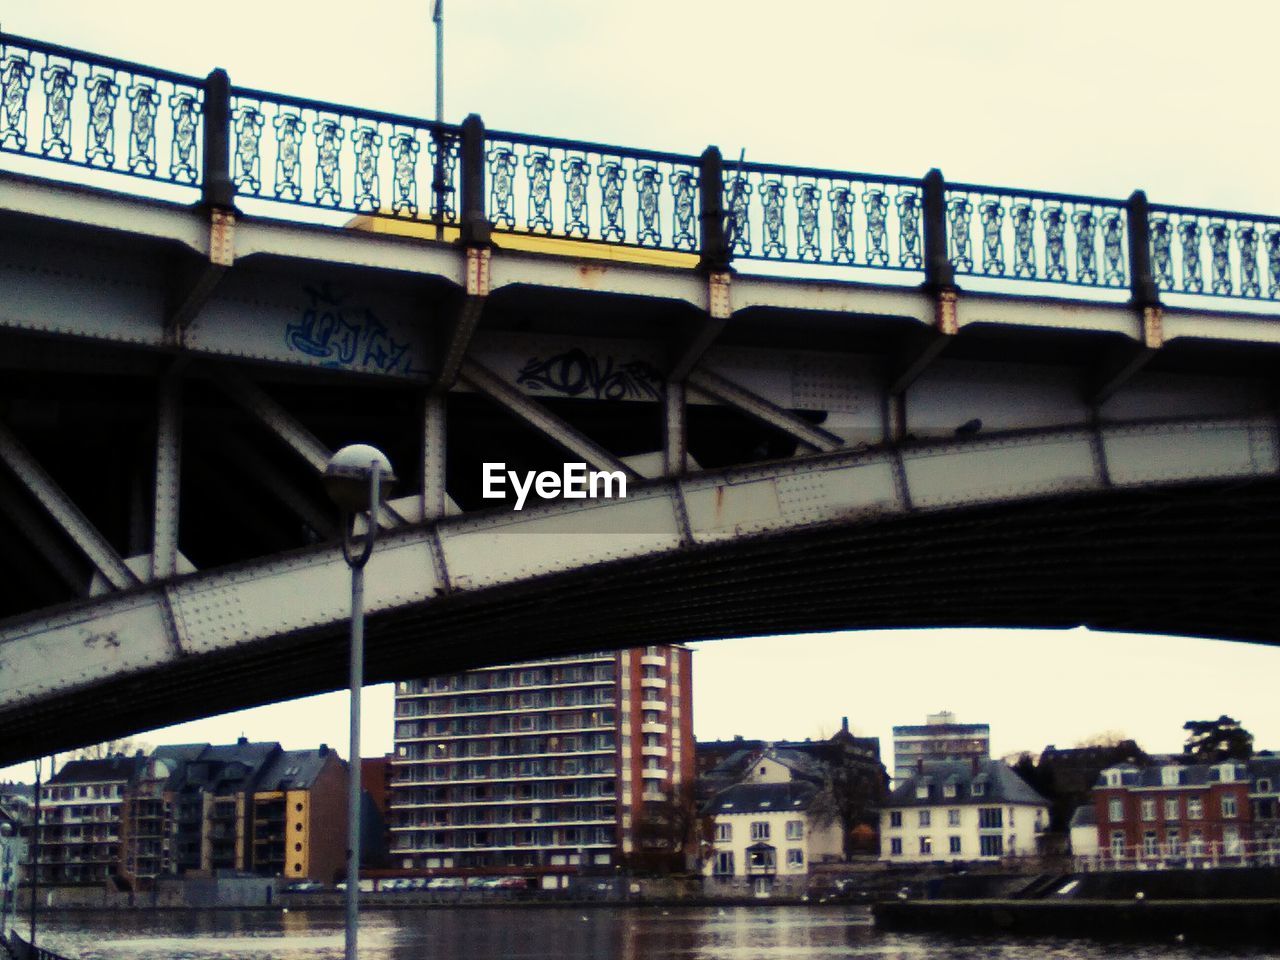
[(155, 126), (79, 108), (1214, 252), (824, 216), (585, 191), (1027, 235), (360, 161)]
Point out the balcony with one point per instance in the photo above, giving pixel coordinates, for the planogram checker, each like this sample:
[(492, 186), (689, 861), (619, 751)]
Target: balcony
[(657, 682), (658, 705), (653, 728), (653, 751), (653, 773), (653, 660)]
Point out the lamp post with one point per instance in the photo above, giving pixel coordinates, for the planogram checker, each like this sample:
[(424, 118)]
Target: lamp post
[(355, 477)]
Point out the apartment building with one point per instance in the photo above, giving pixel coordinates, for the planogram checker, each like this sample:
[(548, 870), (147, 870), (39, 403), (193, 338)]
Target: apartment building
[(940, 737), (197, 810), (81, 814), (541, 767)]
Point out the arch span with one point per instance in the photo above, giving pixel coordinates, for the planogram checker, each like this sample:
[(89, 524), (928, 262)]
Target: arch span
[(1162, 527)]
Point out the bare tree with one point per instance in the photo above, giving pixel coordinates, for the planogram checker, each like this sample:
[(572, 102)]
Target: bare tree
[(110, 748)]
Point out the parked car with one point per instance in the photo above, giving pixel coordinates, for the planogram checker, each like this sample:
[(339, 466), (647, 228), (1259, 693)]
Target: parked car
[(304, 886), (446, 883)]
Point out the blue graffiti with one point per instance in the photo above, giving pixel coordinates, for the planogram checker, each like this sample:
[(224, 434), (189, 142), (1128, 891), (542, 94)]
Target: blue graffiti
[(347, 337)]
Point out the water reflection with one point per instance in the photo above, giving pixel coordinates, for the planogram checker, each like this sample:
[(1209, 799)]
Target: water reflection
[(507, 933)]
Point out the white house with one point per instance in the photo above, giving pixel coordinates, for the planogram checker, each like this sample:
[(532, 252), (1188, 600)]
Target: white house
[(766, 837), (961, 810), (1084, 831)]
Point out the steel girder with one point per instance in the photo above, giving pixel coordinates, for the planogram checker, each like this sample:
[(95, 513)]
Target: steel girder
[(219, 615)]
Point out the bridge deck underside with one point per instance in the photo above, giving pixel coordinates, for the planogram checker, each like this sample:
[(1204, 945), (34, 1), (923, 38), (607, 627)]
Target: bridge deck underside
[(1177, 560)]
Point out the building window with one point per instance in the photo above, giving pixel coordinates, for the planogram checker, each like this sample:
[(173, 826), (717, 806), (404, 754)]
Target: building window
[(724, 831), (1115, 810), (949, 788), (926, 845), (978, 788), (760, 830), (1171, 808), (990, 818), (991, 846), (1150, 846), (895, 846), (955, 845), (795, 858), (1228, 805), (1195, 843), (895, 818), (953, 818), (1195, 808), (1172, 842), (1148, 808), (1117, 844), (795, 829), (724, 864), (925, 818)]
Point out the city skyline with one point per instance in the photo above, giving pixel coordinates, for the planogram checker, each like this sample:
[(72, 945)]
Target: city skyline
[(1037, 97)]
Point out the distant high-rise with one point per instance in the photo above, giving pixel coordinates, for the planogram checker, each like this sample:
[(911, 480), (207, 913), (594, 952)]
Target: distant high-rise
[(545, 766), (940, 737)]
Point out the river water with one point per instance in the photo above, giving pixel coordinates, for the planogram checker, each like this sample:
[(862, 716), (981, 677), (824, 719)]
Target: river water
[(636, 933)]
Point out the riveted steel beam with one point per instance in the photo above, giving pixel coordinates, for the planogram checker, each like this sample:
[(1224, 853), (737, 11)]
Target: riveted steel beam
[(64, 513), (204, 275), (40, 537), (274, 481), (726, 391), (696, 343), (168, 475), (1124, 364), (538, 417), (434, 440), (464, 317), (286, 427), (675, 430), (244, 610)]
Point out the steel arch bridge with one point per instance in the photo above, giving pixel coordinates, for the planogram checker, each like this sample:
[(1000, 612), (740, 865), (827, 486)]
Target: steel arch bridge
[(940, 404)]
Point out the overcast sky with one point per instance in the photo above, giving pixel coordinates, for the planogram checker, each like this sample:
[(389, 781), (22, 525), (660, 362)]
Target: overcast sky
[(1084, 97)]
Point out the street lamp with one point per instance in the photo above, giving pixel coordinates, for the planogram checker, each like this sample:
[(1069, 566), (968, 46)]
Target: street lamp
[(355, 477)]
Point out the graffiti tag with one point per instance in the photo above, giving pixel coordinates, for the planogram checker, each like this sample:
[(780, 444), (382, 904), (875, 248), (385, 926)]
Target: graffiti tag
[(576, 373), (345, 336)]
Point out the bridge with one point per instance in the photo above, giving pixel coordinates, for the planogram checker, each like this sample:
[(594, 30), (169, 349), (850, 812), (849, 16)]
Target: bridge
[(842, 400)]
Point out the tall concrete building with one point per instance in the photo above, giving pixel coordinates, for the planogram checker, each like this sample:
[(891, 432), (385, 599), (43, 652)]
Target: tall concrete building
[(940, 737), (546, 767)]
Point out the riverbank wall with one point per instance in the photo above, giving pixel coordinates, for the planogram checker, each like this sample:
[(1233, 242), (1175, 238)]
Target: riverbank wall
[(1175, 921)]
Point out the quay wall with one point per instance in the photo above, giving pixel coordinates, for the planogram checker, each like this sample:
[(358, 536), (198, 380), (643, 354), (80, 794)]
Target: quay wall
[(1175, 921)]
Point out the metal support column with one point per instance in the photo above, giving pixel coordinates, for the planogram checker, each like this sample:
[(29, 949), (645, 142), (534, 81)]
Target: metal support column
[(164, 529), (675, 439), (434, 437)]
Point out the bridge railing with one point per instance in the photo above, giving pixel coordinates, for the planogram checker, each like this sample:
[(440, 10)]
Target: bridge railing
[(839, 218), (72, 107), (317, 154), (586, 191), (158, 127), (1215, 252), (1028, 235)]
